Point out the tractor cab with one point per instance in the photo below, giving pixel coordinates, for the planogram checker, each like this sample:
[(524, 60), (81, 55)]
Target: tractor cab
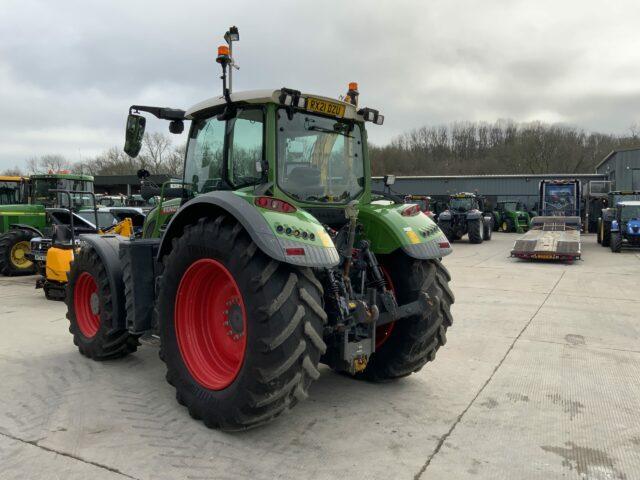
[(46, 189), (463, 202), (11, 190)]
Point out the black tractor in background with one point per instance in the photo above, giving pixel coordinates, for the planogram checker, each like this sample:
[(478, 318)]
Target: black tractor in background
[(465, 216)]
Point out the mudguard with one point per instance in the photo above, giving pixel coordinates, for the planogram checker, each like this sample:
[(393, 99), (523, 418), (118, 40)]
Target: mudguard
[(608, 214), (22, 226), (474, 215), (387, 230), (273, 232), (445, 216), (107, 247)]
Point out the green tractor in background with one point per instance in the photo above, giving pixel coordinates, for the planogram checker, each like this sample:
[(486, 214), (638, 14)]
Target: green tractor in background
[(511, 216), (27, 219), (273, 256), (11, 189)]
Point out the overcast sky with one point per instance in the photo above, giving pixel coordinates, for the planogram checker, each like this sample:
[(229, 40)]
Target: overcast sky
[(70, 69)]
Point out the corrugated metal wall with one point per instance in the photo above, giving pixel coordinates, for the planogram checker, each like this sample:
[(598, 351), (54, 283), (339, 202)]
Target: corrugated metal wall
[(623, 168)]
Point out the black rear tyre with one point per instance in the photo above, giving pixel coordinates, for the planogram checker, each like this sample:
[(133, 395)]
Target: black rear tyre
[(281, 318), (13, 246), (476, 231), (91, 313), (445, 226), (415, 340)]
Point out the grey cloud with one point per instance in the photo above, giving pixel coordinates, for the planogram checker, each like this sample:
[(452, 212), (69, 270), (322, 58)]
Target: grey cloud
[(70, 69)]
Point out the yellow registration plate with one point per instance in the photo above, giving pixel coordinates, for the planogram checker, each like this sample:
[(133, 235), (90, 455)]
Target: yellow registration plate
[(325, 107), (544, 256)]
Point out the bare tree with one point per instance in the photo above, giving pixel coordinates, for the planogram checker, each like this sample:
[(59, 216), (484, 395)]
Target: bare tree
[(12, 172)]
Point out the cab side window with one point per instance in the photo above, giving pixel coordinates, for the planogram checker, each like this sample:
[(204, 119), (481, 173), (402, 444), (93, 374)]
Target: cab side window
[(246, 147), (203, 168)]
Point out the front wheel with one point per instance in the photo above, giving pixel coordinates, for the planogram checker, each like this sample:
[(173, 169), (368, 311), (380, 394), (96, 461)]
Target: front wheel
[(15, 245), (90, 310), (476, 231), (414, 340), (616, 242), (487, 230), (606, 233), (241, 333)]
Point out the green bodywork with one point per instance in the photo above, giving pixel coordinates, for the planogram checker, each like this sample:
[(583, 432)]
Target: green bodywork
[(32, 211)]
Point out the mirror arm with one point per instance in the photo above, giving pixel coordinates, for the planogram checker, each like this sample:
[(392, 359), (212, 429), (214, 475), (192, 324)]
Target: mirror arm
[(163, 113)]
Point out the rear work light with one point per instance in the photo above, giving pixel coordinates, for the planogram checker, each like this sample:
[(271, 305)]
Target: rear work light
[(274, 204), (411, 210)]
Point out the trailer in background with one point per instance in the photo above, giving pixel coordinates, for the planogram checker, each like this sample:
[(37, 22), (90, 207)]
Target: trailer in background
[(555, 234)]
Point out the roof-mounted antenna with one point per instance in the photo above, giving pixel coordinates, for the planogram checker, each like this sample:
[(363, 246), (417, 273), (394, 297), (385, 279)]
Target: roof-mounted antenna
[(225, 59), (232, 35)]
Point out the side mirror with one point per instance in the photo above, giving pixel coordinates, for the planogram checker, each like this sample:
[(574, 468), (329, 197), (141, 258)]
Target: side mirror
[(143, 174), (389, 180), (176, 127), (134, 134)]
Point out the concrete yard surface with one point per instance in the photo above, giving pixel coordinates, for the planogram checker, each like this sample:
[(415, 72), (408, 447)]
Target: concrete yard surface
[(539, 379)]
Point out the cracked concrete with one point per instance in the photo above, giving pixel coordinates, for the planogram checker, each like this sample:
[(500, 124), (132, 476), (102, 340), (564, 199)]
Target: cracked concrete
[(539, 379)]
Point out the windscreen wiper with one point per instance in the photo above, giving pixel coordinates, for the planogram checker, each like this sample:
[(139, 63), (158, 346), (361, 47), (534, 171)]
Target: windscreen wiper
[(316, 128)]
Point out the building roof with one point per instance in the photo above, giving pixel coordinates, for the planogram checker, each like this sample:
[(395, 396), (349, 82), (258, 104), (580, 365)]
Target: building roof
[(613, 152), (262, 96), (519, 175)]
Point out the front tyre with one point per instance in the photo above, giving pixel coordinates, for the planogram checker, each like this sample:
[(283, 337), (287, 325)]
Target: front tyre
[(241, 333), (476, 231), (414, 340), (487, 230), (15, 245), (606, 233), (90, 310), (615, 242)]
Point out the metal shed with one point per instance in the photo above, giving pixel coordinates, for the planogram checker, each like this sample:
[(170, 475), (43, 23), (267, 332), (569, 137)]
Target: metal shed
[(622, 167)]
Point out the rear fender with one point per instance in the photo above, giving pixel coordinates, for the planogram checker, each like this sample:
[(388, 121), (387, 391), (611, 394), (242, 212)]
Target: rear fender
[(387, 230), (22, 226), (107, 247), (261, 225)]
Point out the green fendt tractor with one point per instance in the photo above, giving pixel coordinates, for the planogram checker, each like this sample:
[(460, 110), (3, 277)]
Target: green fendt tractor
[(20, 222), (511, 217), (608, 215), (273, 256)]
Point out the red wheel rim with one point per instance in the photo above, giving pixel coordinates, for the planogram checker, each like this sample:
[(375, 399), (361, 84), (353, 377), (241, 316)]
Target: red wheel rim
[(383, 332), (211, 324), (86, 304)]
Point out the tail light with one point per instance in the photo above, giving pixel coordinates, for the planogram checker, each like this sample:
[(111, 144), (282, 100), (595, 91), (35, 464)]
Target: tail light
[(274, 204), (411, 210)]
